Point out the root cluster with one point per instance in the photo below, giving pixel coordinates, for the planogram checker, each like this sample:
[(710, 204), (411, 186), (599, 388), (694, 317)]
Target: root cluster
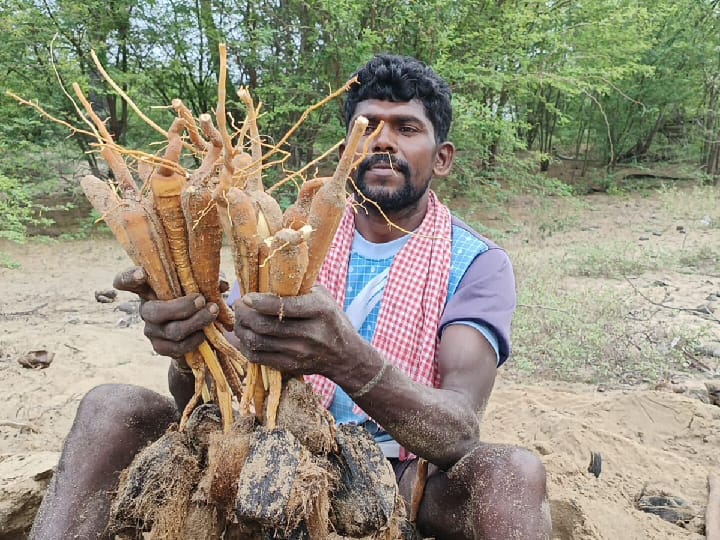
[(258, 483)]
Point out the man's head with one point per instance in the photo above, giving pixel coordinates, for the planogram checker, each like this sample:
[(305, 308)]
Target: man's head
[(413, 104), (402, 78)]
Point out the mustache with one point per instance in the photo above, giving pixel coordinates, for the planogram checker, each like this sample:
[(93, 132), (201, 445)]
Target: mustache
[(396, 164)]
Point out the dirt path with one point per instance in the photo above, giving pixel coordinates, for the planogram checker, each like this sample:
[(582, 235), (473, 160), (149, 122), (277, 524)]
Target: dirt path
[(644, 436)]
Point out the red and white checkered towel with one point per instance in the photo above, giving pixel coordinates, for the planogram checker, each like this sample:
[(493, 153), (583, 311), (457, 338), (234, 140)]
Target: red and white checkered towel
[(413, 300)]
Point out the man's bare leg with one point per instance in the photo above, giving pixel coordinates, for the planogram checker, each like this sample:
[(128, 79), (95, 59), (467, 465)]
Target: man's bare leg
[(494, 492), (113, 423)]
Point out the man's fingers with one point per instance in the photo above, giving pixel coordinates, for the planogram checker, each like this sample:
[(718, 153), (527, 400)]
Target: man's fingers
[(177, 349), (180, 330), (134, 280), (306, 306), (164, 311), (270, 325)]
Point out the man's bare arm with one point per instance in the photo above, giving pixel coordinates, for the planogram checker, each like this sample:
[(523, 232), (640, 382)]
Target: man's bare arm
[(442, 424), (313, 336)]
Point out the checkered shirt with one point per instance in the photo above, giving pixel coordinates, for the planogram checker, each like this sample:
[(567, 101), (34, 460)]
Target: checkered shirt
[(413, 299)]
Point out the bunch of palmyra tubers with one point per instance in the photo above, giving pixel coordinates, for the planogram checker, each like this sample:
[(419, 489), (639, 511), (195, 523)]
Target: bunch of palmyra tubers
[(272, 464)]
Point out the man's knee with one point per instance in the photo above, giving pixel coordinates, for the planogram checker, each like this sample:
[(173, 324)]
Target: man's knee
[(527, 468), (497, 468), (124, 404)]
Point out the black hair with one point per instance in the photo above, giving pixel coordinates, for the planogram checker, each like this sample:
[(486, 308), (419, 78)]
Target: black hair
[(403, 78)]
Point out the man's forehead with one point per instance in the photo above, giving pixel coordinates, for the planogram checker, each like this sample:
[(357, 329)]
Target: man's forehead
[(384, 108)]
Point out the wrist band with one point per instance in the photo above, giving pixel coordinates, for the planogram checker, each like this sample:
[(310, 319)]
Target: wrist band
[(371, 384), (177, 367)]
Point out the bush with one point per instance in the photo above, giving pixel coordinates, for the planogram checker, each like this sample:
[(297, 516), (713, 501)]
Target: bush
[(16, 209)]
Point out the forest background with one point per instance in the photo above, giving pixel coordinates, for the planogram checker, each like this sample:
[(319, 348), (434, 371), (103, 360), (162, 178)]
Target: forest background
[(601, 84), (553, 100)]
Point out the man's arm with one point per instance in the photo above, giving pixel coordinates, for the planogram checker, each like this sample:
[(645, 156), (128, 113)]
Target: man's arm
[(314, 336), (439, 424)]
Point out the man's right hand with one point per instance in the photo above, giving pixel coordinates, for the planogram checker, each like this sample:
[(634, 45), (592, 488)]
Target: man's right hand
[(174, 327)]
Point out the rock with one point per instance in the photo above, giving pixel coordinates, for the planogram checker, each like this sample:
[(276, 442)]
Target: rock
[(713, 389), (698, 391), (643, 238), (39, 359), (106, 296), (23, 481), (131, 308), (595, 466), (672, 508)]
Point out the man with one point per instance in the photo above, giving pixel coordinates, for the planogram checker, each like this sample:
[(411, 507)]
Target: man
[(412, 354)]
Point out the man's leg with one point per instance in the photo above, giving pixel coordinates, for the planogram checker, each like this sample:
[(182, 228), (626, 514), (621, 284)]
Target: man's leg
[(112, 424), (494, 492)]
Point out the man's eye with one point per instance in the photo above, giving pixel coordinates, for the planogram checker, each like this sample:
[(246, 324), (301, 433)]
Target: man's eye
[(408, 129), (370, 128)]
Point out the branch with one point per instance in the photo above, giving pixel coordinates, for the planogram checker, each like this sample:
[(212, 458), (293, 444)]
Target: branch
[(696, 311)]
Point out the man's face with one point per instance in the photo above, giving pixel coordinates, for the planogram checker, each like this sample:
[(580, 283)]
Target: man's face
[(404, 155)]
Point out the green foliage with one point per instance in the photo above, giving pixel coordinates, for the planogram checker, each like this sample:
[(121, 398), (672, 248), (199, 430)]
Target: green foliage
[(16, 210), (6, 261), (611, 80)]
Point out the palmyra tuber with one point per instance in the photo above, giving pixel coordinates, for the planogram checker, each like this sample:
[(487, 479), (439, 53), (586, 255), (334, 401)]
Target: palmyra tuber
[(273, 464)]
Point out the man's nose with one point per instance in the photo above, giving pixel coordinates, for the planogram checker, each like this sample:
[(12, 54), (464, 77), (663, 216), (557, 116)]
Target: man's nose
[(385, 141)]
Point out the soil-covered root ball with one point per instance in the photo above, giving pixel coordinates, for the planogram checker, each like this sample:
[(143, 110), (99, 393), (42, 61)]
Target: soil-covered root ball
[(154, 491), (283, 489), (367, 498), (301, 413)]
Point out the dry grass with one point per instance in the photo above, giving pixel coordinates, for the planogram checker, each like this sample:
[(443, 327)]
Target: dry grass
[(614, 288)]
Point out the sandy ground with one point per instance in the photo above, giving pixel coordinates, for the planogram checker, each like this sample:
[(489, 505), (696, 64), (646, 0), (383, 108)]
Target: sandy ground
[(645, 436)]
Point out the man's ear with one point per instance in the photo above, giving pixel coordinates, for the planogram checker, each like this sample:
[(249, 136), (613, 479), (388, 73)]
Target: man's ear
[(444, 159)]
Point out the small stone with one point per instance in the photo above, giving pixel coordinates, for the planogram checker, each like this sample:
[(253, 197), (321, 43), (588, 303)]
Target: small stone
[(643, 238), (39, 359), (699, 393), (657, 233), (595, 467), (128, 307), (106, 296), (23, 481), (713, 389), (666, 505)]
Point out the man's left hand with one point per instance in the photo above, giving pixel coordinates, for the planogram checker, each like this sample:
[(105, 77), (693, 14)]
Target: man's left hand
[(298, 335)]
